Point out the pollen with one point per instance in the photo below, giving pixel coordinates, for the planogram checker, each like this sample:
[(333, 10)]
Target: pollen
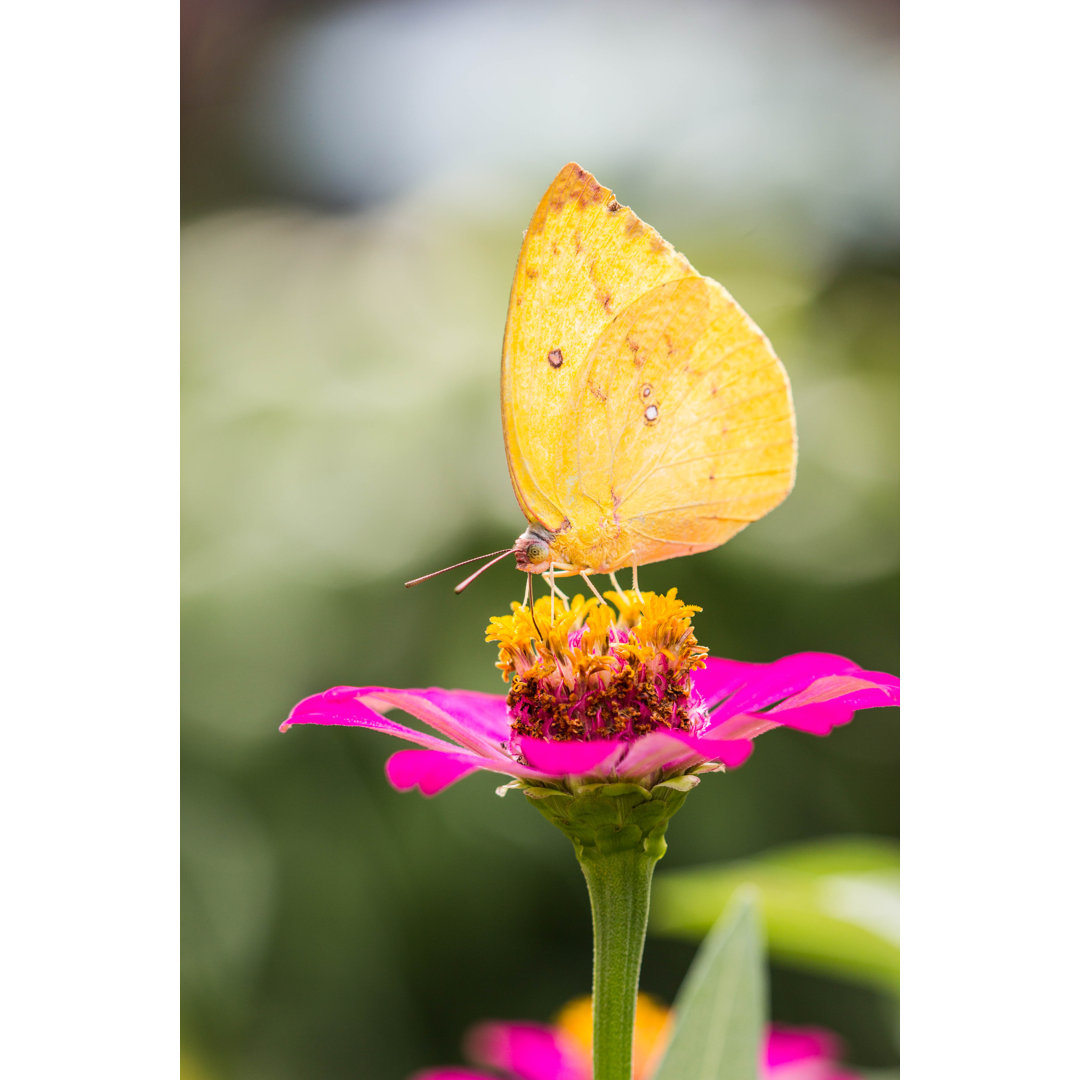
[(591, 670)]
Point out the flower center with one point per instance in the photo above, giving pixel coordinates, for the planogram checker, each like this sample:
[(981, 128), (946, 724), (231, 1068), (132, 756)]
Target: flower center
[(593, 671)]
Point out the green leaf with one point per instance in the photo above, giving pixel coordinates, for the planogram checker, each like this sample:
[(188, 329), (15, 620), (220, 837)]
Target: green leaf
[(828, 906), (720, 1010)]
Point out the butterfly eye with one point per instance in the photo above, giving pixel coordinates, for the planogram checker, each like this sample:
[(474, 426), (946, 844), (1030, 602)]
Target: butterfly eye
[(536, 552)]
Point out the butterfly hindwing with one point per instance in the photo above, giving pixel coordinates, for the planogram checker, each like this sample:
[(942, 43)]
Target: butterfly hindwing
[(685, 426)]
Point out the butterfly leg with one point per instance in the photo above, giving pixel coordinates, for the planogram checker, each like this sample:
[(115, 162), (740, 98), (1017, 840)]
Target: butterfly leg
[(636, 587), (618, 587), (588, 581), (550, 576), (551, 582)]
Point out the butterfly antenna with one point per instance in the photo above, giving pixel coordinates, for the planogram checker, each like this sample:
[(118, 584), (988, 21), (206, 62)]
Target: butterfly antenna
[(464, 562), (476, 573)]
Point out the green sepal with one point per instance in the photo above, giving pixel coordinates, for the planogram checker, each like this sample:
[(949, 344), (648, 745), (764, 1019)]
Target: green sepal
[(686, 782), (614, 790), (603, 818), (534, 792)]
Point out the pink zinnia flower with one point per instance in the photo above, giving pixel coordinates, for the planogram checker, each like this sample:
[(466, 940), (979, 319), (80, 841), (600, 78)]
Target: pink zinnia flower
[(603, 696), (563, 1050)]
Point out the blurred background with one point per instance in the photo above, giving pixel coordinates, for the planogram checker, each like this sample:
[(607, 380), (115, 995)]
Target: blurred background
[(356, 180)]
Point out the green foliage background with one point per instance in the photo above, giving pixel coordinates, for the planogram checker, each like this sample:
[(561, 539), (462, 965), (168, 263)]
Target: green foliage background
[(341, 434)]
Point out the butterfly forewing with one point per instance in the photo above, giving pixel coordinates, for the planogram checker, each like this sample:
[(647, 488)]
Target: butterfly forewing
[(584, 259)]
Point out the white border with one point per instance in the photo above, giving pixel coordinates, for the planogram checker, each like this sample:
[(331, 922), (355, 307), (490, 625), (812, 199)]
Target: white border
[(989, 538), (89, 430)]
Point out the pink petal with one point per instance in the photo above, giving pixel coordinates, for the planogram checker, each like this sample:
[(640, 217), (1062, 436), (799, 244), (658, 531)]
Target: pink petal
[(876, 688), (833, 700), (431, 771), (556, 759), (803, 1054), (744, 726), (730, 752), (773, 682), (657, 750), (465, 716), (451, 1073), (529, 1051), (786, 1045), (485, 713), (720, 678), (343, 705), (680, 750)]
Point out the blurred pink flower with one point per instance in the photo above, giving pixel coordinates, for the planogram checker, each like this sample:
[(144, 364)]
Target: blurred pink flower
[(562, 1051), (598, 700)]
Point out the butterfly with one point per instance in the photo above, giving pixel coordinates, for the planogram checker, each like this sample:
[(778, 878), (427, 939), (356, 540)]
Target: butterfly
[(645, 416)]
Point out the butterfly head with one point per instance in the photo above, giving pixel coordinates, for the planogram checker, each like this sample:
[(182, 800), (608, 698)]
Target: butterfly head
[(532, 550)]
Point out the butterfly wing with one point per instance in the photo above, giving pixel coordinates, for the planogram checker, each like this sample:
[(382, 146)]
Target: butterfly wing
[(685, 430), (584, 260), (644, 414)]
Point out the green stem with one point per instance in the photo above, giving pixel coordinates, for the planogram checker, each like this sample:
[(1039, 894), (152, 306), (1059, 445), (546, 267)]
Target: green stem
[(618, 835), (619, 885)]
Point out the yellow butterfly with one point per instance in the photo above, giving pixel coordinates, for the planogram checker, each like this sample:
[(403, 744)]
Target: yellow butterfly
[(645, 416)]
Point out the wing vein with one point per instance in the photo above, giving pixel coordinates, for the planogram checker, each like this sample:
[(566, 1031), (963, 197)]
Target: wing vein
[(675, 412), (716, 454)]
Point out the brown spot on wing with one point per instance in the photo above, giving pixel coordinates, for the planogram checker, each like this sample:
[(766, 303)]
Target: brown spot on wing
[(555, 358), (591, 190)]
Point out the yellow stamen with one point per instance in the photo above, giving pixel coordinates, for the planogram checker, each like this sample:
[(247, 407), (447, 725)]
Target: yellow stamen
[(656, 624)]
